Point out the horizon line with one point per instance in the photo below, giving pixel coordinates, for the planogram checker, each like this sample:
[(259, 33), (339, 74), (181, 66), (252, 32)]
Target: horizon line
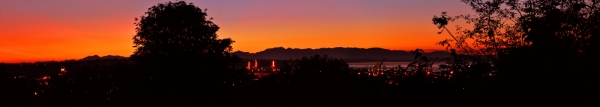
[(409, 50), (126, 56)]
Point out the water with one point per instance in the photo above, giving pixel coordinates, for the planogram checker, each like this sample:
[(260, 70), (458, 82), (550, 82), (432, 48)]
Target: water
[(389, 64)]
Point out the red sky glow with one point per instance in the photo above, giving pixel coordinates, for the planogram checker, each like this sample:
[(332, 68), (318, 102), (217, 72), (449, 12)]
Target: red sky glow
[(43, 30)]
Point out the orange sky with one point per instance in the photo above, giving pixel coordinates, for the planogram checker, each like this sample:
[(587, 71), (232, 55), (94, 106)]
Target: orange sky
[(39, 30)]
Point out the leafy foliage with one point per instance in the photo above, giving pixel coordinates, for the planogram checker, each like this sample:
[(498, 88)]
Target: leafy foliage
[(500, 26), (535, 44), (494, 28), (174, 32), (422, 61), (569, 24)]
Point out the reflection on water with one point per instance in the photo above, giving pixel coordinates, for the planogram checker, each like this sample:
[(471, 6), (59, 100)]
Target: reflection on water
[(388, 65), (395, 76)]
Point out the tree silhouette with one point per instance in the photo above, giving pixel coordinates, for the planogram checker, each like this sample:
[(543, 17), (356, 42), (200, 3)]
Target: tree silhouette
[(178, 33), (558, 37), (502, 25), (494, 29), (177, 46)]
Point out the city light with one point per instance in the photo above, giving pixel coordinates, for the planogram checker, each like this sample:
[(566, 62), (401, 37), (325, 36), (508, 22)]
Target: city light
[(255, 63), (63, 71), (273, 64), (248, 67), (45, 78)]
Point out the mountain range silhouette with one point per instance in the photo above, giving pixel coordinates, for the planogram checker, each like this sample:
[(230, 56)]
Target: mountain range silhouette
[(96, 57), (348, 54)]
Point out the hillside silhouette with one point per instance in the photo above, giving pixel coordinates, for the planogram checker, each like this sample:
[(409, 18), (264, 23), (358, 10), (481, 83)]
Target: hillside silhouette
[(96, 57), (348, 54)]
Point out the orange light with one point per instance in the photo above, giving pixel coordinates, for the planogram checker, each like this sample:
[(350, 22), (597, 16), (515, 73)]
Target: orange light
[(255, 64), (248, 67), (45, 77), (272, 63)]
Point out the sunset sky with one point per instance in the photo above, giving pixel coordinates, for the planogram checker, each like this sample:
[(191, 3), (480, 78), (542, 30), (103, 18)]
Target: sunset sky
[(43, 30)]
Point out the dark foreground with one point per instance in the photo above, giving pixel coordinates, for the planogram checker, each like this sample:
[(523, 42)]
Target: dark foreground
[(244, 88)]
